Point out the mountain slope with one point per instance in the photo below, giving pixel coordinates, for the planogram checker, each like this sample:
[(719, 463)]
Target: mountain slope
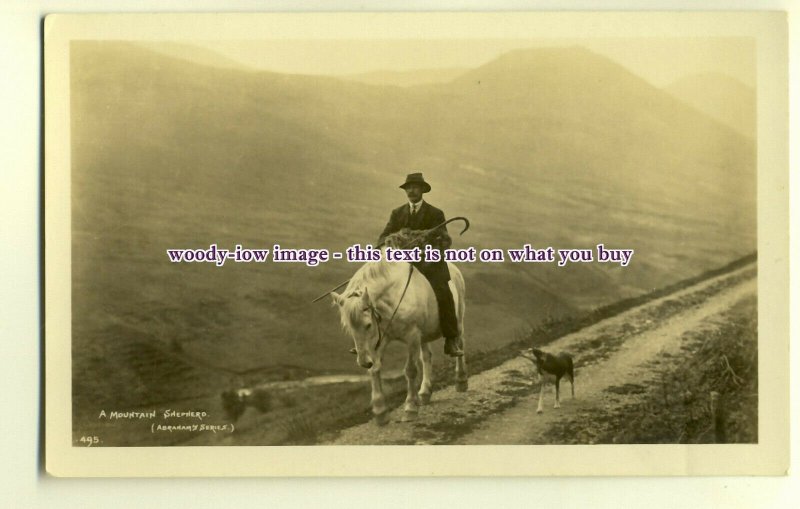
[(721, 97), (555, 147)]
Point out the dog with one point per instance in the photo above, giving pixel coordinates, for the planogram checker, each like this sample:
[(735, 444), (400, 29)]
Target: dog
[(558, 365)]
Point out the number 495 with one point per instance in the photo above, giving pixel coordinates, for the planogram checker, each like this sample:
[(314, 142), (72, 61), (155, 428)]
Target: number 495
[(89, 441)]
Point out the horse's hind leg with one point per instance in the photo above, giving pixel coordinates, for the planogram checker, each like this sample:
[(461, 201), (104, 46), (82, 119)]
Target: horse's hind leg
[(572, 378), (462, 377), (426, 388), (558, 402), (411, 407), (462, 383)]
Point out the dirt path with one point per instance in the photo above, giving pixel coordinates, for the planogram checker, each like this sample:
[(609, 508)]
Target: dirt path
[(500, 405)]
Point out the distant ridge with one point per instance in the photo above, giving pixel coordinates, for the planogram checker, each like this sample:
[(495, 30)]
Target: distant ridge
[(407, 78), (193, 53)]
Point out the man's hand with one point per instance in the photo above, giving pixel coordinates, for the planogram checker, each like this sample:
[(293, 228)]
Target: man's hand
[(440, 240)]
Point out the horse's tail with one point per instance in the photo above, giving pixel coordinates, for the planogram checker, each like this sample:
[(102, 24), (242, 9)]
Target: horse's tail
[(460, 294)]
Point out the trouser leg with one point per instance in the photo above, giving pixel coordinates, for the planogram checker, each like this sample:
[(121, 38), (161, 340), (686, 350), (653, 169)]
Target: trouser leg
[(438, 276), (447, 309)]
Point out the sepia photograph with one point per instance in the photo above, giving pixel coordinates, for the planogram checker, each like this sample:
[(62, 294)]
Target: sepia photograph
[(398, 240)]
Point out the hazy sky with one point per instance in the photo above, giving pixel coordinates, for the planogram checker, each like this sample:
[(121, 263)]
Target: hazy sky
[(659, 60)]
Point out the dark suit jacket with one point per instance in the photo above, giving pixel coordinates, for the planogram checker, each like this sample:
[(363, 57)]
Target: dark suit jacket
[(426, 218)]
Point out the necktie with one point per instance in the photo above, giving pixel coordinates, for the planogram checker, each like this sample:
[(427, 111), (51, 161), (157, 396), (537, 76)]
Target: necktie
[(414, 210)]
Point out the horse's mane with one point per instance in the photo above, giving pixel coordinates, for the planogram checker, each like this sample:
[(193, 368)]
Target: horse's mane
[(351, 310), (367, 273), (370, 273)]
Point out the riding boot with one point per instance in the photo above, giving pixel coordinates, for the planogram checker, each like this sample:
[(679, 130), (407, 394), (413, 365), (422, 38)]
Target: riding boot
[(438, 276), (447, 318)]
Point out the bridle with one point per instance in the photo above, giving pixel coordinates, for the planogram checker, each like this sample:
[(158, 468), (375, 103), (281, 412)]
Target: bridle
[(376, 320), (376, 317)]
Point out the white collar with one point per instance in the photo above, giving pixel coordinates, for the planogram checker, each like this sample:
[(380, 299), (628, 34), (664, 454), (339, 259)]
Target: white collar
[(418, 204)]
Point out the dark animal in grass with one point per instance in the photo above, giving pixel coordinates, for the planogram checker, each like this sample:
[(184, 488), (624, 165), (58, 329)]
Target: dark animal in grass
[(235, 402), (546, 363)]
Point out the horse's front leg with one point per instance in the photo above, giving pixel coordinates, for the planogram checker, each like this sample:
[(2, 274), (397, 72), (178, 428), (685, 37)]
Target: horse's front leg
[(426, 387), (411, 407), (379, 410)]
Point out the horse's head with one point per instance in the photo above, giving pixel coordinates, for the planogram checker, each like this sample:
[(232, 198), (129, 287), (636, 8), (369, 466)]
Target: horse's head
[(361, 321)]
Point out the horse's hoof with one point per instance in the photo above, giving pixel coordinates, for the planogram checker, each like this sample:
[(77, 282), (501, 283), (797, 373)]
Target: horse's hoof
[(425, 398), (382, 419), (539, 411), (462, 386), (410, 415)]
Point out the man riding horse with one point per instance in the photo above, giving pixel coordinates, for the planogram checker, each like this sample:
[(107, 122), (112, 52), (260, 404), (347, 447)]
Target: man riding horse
[(418, 214)]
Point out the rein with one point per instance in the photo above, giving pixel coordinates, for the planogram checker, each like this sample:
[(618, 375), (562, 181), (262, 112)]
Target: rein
[(377, 317)]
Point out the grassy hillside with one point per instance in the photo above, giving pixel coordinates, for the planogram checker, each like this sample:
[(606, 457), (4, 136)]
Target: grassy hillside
[(723, 98), (556, 147)]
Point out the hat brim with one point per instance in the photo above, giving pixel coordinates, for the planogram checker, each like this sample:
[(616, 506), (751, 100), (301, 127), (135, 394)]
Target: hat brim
[(426, 188)]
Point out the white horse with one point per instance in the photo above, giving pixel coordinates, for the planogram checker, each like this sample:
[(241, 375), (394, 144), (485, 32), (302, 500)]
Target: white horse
[(366, 307)]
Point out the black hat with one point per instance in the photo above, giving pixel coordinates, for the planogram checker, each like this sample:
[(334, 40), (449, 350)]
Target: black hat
[(416, 178)]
